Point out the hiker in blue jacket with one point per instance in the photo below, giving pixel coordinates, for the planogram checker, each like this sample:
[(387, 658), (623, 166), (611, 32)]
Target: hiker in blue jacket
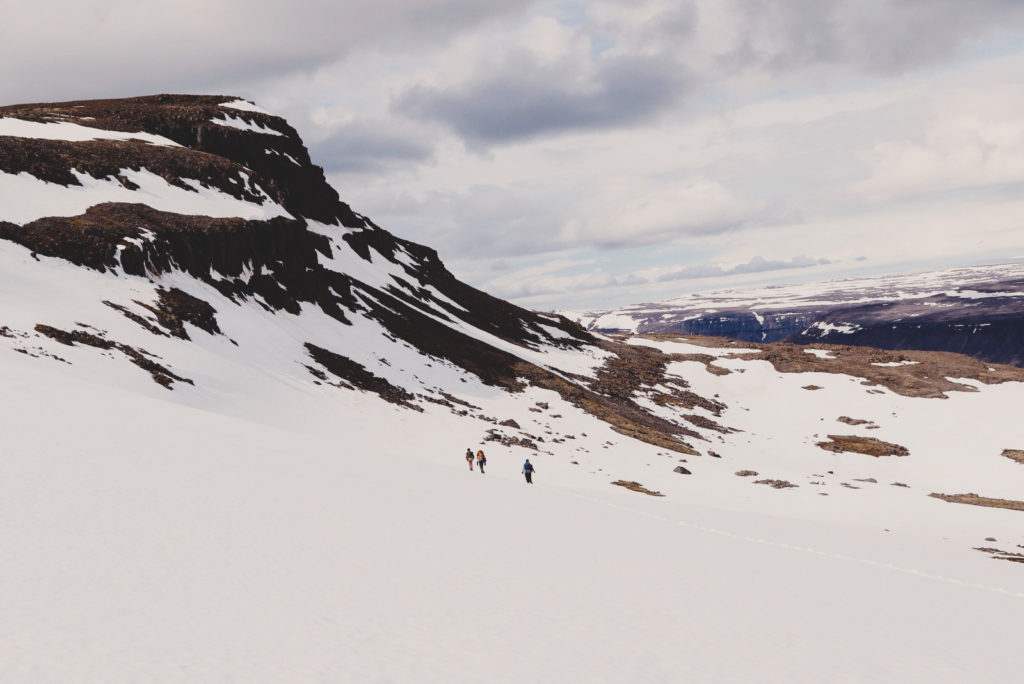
[(528, 471)]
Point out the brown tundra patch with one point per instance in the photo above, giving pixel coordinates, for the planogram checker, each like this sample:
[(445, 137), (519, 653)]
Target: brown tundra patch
[(862, 445), (975, 500), (1014, 454), (636, 487)]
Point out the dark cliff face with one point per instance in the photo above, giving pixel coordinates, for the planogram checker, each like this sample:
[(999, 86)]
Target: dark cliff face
[(739, 325), (990, 327), (279, 261)]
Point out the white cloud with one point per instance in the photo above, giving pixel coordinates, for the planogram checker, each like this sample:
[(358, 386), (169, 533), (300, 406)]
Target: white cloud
[(973, 138), (626, 211)]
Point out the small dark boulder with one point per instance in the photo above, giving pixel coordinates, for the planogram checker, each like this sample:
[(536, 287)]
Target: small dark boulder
[(681, 470)]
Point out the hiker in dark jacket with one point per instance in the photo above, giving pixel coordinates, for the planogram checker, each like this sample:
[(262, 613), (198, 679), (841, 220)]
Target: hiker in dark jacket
[(528, 471), (481, 460), (469, 457)]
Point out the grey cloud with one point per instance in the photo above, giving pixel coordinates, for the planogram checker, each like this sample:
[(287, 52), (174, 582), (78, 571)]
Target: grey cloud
[(370, 147), (756, 265), (631, 279), (881, 36), (524, 98), (482, 222), (68, 49)]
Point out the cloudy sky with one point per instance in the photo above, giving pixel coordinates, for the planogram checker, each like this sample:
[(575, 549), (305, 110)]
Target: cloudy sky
[(590, 154)]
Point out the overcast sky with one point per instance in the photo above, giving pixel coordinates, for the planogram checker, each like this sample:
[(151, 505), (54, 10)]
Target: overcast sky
[(591, 154)]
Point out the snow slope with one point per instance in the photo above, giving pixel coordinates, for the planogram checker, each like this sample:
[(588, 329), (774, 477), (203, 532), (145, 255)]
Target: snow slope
[(264, 520), (157, 538)]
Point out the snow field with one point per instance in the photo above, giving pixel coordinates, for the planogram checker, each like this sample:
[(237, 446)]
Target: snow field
[(258, 527), (211, 548)]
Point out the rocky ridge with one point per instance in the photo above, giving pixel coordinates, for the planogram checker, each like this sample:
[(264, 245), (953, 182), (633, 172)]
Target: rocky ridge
[(305, 248)]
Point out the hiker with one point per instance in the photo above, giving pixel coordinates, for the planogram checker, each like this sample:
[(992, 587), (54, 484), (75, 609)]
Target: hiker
[(469, 457), (528, 471), (481, 460)]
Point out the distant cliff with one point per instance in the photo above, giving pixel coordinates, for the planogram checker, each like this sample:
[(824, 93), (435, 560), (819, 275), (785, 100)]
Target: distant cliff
[(976, 311)]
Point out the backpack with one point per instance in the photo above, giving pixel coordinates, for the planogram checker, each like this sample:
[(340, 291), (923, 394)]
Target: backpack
[(480, 457), (528, 467)]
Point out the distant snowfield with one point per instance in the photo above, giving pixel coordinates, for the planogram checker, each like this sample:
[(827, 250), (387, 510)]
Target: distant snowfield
[(775, 299), (258, 527)]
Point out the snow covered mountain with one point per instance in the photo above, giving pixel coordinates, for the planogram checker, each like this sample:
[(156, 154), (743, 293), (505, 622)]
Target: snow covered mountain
[(974, 310), (235, 412)]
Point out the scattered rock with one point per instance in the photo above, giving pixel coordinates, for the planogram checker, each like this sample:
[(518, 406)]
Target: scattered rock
[(505, 440), (900, 484), (776, 484), (811, 387), (999, 554), (510, 423), (681, 470), (975, 500), (862, 445), (161, 375), (866, 479), (1014, 454), (174, 308), (636, 487), (746, 473), (350, 371), (706, 423)]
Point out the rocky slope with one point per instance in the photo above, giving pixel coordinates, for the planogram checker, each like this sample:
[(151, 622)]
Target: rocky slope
[(221, 199), (204, 219)]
